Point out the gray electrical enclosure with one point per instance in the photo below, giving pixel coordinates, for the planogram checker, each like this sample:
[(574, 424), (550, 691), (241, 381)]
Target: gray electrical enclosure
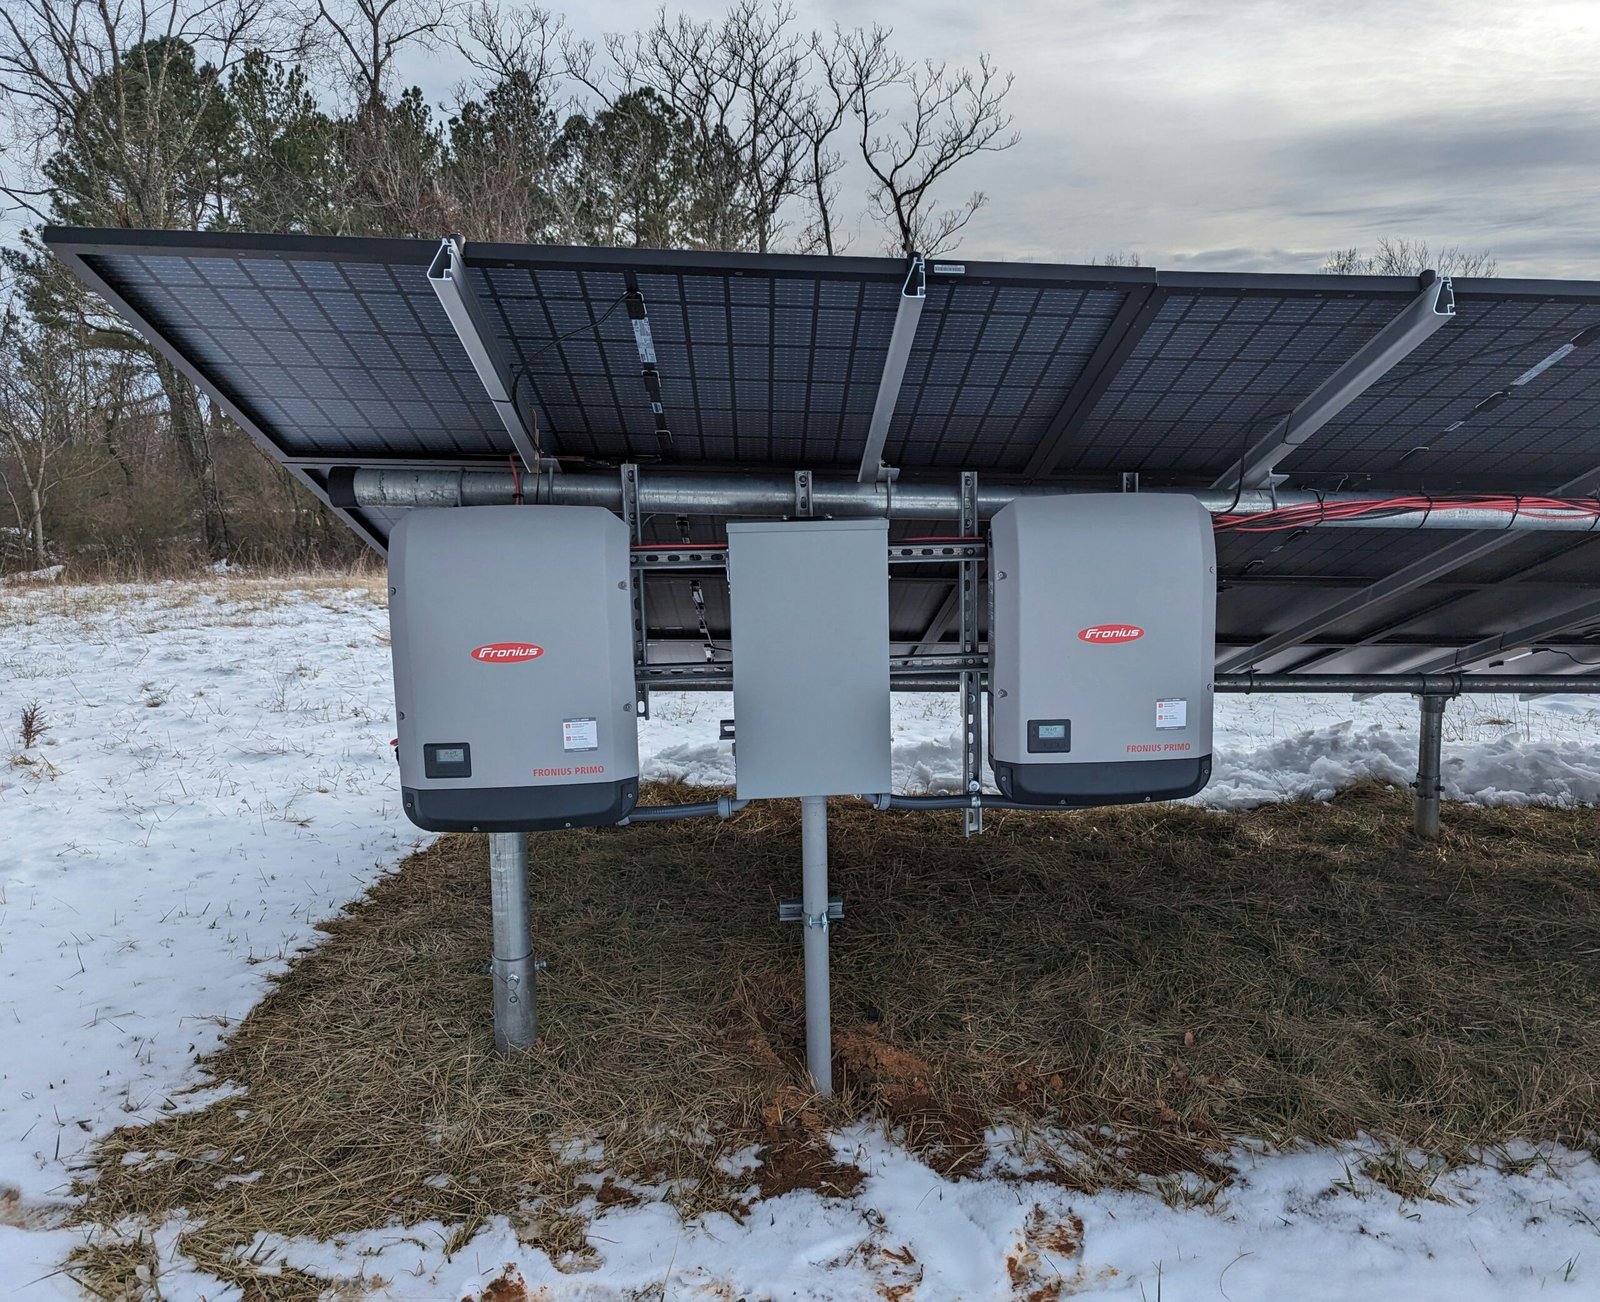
[(1102, 640), (513, 668), (810, 605)]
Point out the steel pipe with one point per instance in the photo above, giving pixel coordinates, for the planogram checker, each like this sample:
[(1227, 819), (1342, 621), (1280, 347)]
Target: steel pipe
[(516, 1019), (1430, 740), (729, 494), (1412, 684), (689, 679), (721, 807), (814, 913)]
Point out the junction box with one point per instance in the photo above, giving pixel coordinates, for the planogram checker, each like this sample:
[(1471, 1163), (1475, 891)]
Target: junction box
[(810, 611), (513, 668), (1102, 640)]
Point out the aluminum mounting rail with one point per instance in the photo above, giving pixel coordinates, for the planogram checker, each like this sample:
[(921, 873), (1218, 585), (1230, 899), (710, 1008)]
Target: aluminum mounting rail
[(913, 294), (1529, 634), (1420, 320), (773, 496), (448, 276)]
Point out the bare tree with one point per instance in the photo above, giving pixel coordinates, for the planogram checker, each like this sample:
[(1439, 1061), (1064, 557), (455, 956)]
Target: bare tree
[(48, 392), (391, 152), (120, 118), (366, 35), (915, 122), (818, 119), (504, 133), (503, 42), (1407, 257), (743, 84), (1117, 258)]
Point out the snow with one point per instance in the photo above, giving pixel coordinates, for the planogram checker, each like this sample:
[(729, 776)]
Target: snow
[(1267, 747), (216, 779)]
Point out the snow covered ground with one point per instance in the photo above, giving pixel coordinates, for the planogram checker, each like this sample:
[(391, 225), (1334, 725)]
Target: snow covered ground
[(216, 778)]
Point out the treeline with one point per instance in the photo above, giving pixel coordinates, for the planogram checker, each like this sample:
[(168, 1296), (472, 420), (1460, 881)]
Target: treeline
[(746, 132), (749, 131)]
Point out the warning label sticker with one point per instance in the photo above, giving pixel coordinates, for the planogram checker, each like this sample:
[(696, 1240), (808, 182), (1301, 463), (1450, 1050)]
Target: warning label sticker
[(580, 734), (1172, 712)]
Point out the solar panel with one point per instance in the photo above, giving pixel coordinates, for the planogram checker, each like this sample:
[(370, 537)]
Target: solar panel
[(338, 352)]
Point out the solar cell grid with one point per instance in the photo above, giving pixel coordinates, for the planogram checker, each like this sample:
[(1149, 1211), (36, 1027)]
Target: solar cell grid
[(1546, 425), (1258, 355), (338, 351)]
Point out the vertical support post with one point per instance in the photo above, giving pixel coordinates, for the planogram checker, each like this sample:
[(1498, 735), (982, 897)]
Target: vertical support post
[(971, 678), (814, 907), (1429, 743), (516, 1019), (632, 517)]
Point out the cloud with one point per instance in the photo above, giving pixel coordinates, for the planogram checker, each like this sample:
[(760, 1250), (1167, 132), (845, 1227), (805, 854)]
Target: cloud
[(1258, 135)]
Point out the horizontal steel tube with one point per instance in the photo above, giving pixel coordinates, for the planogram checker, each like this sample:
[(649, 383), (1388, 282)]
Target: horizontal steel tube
[(722, 807), (1244, 684), (1414, 684), (727, 494)]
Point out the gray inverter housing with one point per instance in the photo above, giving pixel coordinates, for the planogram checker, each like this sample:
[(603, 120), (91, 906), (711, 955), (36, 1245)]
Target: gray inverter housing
[(1102, 641), (513, 668), (810, 613)]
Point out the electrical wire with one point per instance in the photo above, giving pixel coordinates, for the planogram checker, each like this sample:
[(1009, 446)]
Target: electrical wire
[(521, 372), (1557, 651), (1513, 506)]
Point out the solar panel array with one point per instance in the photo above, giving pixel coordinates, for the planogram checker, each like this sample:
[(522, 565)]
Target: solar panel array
[(334, 352)]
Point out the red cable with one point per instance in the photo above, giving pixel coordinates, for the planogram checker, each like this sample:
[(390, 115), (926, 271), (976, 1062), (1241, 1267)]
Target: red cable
[(1309, 514)]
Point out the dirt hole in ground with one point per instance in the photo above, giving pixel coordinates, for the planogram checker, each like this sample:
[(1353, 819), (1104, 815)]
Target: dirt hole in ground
[(1131, 989)]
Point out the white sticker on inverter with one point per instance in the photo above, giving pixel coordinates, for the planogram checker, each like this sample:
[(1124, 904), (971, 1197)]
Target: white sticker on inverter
[(580, 734), (1172, 712)]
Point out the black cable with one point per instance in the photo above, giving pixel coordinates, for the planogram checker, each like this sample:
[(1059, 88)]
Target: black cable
[(521, 373), (1555, 650), (1251, 426)]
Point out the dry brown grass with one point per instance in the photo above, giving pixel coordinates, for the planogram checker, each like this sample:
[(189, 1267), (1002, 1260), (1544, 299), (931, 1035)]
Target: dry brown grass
[(244, 596), (1179, 978)]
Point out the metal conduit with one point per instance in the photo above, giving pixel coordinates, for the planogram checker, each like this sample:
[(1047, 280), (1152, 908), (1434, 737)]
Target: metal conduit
[(727, 494), (1408, 684)]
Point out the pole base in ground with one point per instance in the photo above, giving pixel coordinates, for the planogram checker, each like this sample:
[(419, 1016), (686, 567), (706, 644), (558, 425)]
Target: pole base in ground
[(516, 1018), (1430, 741), (814, 908)]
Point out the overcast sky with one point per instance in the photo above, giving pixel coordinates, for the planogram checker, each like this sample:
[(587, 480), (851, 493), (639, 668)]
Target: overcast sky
[(1258, 135)]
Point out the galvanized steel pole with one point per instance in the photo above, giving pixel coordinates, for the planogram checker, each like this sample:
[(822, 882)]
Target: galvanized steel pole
[(1429, 744), (516, 1019), (814, 908)]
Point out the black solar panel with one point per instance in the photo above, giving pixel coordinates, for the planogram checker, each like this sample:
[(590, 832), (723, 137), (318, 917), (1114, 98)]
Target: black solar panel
[(1214, 371), (1549, 429), (337, 352), (337, 357), (986, 379)]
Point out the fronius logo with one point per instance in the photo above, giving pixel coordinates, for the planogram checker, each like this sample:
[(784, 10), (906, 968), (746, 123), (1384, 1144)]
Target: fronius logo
[(507, 653), (1110, 634)]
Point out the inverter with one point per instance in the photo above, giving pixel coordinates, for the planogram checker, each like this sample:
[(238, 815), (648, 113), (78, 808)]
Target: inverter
[(513, 668), (1102, 638)]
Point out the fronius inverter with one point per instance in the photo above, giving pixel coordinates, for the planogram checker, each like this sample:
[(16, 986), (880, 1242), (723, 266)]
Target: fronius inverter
[(1102, 642), (513, 668)]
